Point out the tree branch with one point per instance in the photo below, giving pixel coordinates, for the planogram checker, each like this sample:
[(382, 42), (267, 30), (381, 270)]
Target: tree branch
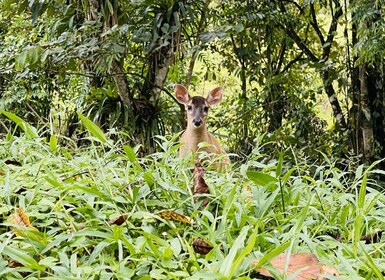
[(332, 28), (281, 57), (294, 36), (292, 62), (315, 25)]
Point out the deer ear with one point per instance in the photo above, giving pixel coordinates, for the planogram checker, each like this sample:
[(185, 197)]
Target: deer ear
[(181, 94), (215, 96)]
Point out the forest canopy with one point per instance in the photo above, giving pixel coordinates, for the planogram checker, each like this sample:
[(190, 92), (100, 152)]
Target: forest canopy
[(305, 74)]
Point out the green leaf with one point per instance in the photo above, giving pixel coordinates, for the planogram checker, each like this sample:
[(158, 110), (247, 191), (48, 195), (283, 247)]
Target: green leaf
[(287, 175), (52, 178), (227, 268), (301, 219), (97, 250), (371, 264), (359, 213), (260, 178), (130, 153), (110, 8), (239, 27), (22, 257), (278, 170), (93, 129), (168, 253), (362, 192), (21, 60), (29, 57), (53, 142), (359, 171), (29, 130), (273, 253), (48, 261), (149, 178), (247, 250), (88, 189), (34, 55)]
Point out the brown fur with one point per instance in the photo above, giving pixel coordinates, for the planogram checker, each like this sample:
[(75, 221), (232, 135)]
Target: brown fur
[(196, 113)]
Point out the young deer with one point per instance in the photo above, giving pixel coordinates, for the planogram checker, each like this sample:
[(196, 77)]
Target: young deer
[(197, 108)]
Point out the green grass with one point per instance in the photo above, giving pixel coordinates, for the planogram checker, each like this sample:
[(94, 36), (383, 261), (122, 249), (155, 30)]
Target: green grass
[(257, 211)]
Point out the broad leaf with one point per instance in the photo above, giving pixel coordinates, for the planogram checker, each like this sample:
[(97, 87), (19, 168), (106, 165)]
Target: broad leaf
[(261, 179), (22, 257), (93, 129), (21, 123)]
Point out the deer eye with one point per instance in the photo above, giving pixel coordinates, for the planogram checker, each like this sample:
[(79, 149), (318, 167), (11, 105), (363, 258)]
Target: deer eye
[(205, 109), (189, 107)]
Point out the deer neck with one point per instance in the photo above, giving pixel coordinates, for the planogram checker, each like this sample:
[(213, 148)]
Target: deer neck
[(197, 135)]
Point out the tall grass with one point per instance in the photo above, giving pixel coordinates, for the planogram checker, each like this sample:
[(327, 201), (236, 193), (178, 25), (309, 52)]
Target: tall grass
[(256, 211)]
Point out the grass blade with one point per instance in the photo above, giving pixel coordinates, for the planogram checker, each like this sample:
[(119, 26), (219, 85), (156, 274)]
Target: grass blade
[(372, 265), (273, 253), (360, 213), (248, 249), (27, 128), (228, 263), (93, 129), (278, 171), (22, 257)]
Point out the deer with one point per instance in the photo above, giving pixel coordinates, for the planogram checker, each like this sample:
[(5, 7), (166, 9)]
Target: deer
[(197, 108)]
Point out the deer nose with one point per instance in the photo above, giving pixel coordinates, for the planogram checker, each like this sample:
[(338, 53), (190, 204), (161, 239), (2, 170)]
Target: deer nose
[(197, 123)]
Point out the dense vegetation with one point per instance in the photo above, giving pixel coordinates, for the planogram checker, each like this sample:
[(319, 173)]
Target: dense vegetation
[(75, 195), (303, 118)]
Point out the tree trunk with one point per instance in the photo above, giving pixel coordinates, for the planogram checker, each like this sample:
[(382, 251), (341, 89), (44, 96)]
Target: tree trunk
[(332, 96), (161, 73), (119, 76), (240, 54), (366, 120), (159, 64), (190, 70), (160, 60), (375, 102), (117, 68), (274, 90), (354, 112), (368, 100), (276, 108)]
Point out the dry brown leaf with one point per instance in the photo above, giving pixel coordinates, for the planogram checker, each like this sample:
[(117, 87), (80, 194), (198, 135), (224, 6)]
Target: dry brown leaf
[(201, 246), (328, 270), (305, 265), (200, 186), (21, 219), (119, 220), (174, 216), (15, 264), (12, 162), (372, 238)]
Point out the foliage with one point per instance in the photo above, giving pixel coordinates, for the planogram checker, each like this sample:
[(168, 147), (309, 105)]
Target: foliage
[(106, 53), (259, 209), (277, 83), (116, 62), (367, 15)]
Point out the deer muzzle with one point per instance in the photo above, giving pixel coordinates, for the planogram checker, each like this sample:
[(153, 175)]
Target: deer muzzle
[(197, 122)]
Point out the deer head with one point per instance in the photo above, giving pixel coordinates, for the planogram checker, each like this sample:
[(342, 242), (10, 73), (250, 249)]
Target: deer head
[(197, 107)]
